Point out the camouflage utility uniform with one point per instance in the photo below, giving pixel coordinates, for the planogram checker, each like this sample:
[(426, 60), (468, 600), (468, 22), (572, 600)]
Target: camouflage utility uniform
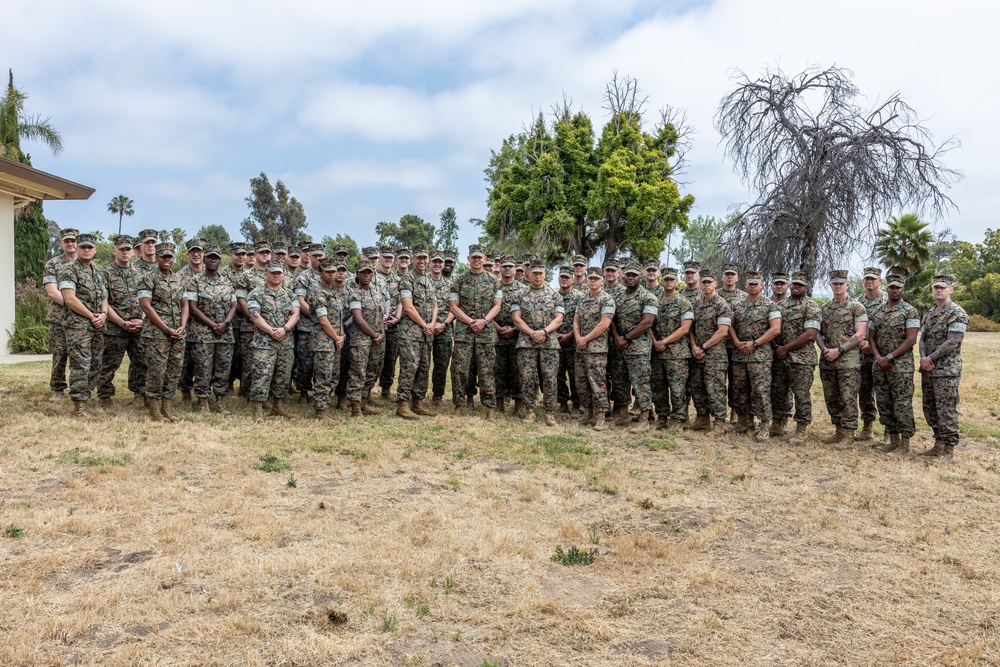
[(305, 282), (866, 388), (797, 370), (414, 348), (708, 381), (940, 386), (894, 385), (506, 372), (366, 356), (57, 335), (474, 294), (247, 281), (123, 296), (211, 355), (271, 372), (752, 372), (634, 371), (443, 342), (566, 378), (537, 308), (333, 303), (669, 369), (732, 297), (841, 377), (164, 355), (592, 363), (84, 343), (389, 284)]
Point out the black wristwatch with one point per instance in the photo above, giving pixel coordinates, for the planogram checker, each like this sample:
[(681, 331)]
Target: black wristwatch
[(755, 344), (840, 348)]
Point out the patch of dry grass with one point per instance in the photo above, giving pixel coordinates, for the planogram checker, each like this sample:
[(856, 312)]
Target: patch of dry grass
[(430, 543)]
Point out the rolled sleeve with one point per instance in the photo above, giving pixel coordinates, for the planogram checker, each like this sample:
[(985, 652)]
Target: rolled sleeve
[(67, 284), (48, 279), (811, 324), (560, 309), (498, 295), (650, 310), (912, 324), (241, 294), (608, 310), (861, 318), (301, 291), (321, 311), (453, 296), (689, 315), (774, 315), (957, 327), (405, 294), (515, 307), (191, 296), (253, 303), (728, 321), (355, 305), (145, 294)]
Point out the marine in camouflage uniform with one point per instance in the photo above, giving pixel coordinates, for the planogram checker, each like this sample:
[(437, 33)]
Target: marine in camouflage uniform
[(250, 279), (613, 286), (237, 259), (712, 319), (537, 313), (123, 332), (389, 284), (779, 295), (340, 253), (161, 297), (274, 312), (566, 377), (872, 299), (194, 267), (732, 295), (941, 334), (506, 371), (328, 305), (475, 301), (892, 333), (146, 261), (580, 274), (444, 336), (305, 282), (635, 312), (594, 308), (794, 365), (367, 305), (54, 318), (85, 300), (669, 360), (756, 322), (844, 324), (212, 296), (653, 285), (692, 292), (420, 311)]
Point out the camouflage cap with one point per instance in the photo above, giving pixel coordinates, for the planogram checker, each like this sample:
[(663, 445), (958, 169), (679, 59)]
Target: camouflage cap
[(293, 251), (668, 272), (124, 241), (579, 260), (753, 278), (838, 276), (896, 276), (148, 235), (327, 264), (195, 244), (338, 262), (262, 246), (340, 249), (403, 252), (86, 240), (528, 259), (632, 266), (801, 278), (612, 263), (70, 233), (707, 276), (369, 251), (566, 271), (165, 249), (237, 248), (387, 250), (476, 250), (779, 277), (595, 271), (436, 255), (729, 267), (653, 264), (363, 265), (275, 266), (304, 245), (488, 261), (421, 250), (213, 250), (692, 265), (537, 266), (507, 260), (449, 256), (942, 280), (871, 272), (317, 249), (279, 247)]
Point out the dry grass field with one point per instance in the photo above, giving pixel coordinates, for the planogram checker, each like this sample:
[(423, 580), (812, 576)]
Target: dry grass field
[(382, 542)]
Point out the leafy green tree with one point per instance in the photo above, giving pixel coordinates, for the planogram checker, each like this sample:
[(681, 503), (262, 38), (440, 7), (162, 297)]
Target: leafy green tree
[(274, 213), (31, 243), (121, 205), (976, 267), (353, 254), (411, 231), (700, 242), (447, 231), (904, 242), (216, 235)]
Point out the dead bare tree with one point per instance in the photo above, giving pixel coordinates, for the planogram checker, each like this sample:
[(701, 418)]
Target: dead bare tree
[(827, 170)]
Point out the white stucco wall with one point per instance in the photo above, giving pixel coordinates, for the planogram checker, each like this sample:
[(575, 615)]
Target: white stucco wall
[(6, 271)]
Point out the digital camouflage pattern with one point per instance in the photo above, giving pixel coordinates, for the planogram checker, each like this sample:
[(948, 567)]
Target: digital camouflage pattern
[(592, 363), (247, 281), (631, 370), (388, 284), (84, 343), (211, 355), (271, 373), (708, 375), (669, 369), (589, 311), (306, 282), (123, 296), (474, 294), (940, 386), (537, 308), (415, 348), (444, 341), (566, 376), (366, 357), (164, 355), (841, 378), (936, 325), (792, 377), (894, 385), (752, 372), (333, 303), (866, 389), (506, 370)]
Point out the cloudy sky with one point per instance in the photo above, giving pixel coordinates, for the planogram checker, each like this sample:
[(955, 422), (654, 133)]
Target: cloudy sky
[(378, 109)]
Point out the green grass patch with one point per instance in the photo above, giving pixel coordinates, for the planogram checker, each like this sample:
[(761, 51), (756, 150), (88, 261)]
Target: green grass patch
[(13, 532), (84, 457), (574, 556), (655, 444), (271, 463)]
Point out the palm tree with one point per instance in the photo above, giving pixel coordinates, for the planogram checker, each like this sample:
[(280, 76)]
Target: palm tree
[(121, 205), (15, 125), (904, 242)]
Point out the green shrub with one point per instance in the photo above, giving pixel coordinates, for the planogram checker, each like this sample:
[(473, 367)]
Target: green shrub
[(31, 333), (980, 323)]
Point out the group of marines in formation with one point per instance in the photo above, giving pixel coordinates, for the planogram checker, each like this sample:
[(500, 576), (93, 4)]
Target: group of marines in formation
[(628, 341)]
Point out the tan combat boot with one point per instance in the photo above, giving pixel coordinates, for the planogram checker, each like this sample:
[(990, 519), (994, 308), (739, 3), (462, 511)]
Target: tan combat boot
[(742, 424), (368, 409), (701, 423), (165, 411), (599, 424), (258, 412), (80, 410), (550, 418), (203, 406), (801, 433), (678, 424), (718, 428), (518, 406), (418, 408), (588, 419), (403, 410), (186, 398), (278, 409), (839, 435), (892, 445), (936, 450), (947, 453), (355, 408), (138, 400), (622, 417), (866, 433), (904, 446), (491, 415), (643, 425), (153, 410), (528, 415), (220, 405), (57, 396), (763, 432), (779, 427), (470, 403), (341, 401)]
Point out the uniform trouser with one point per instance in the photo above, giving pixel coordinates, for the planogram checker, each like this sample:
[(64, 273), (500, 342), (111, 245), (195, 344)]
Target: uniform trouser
[(303, 360), (236, 368), (326, 375), (484, 355), (186, 383), (538, 367), (345, 362), (414, 368), (631, 373), (506, 374), (246, 338), (692, 364), (57, 346), (708, 388), (115, 348), (164, 361), (472, 378), (212, 362), (591, 380), (442, 359), (85, 348), (752, 388), (731, 399), (668, 382), (866, 390), (788, 379), (271, 374), (620, 395), (894, 393), (388, 373), (566, 378), (366, 364), (840, 391), (940, 403)]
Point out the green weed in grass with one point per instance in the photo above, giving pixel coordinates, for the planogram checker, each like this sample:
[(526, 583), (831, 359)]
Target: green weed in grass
[(574, 556), (13, 531), (83, 457), (271, 463)]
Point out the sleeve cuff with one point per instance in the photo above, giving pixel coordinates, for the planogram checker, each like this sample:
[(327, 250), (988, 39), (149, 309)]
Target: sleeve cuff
[(67, 284), (48, 279), (301, 291), (320, 312), (355, 305), (811, 324), (728, 321), (560, 309), (191, 296), (912, 324), (405, 294), (514, 307), (145, 294), (453, 296), (241, 294), (608, 310), (498, 295), (774, 315), (957, 327), (253, 303), (861, 318), (650, 310), (687, 316)]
